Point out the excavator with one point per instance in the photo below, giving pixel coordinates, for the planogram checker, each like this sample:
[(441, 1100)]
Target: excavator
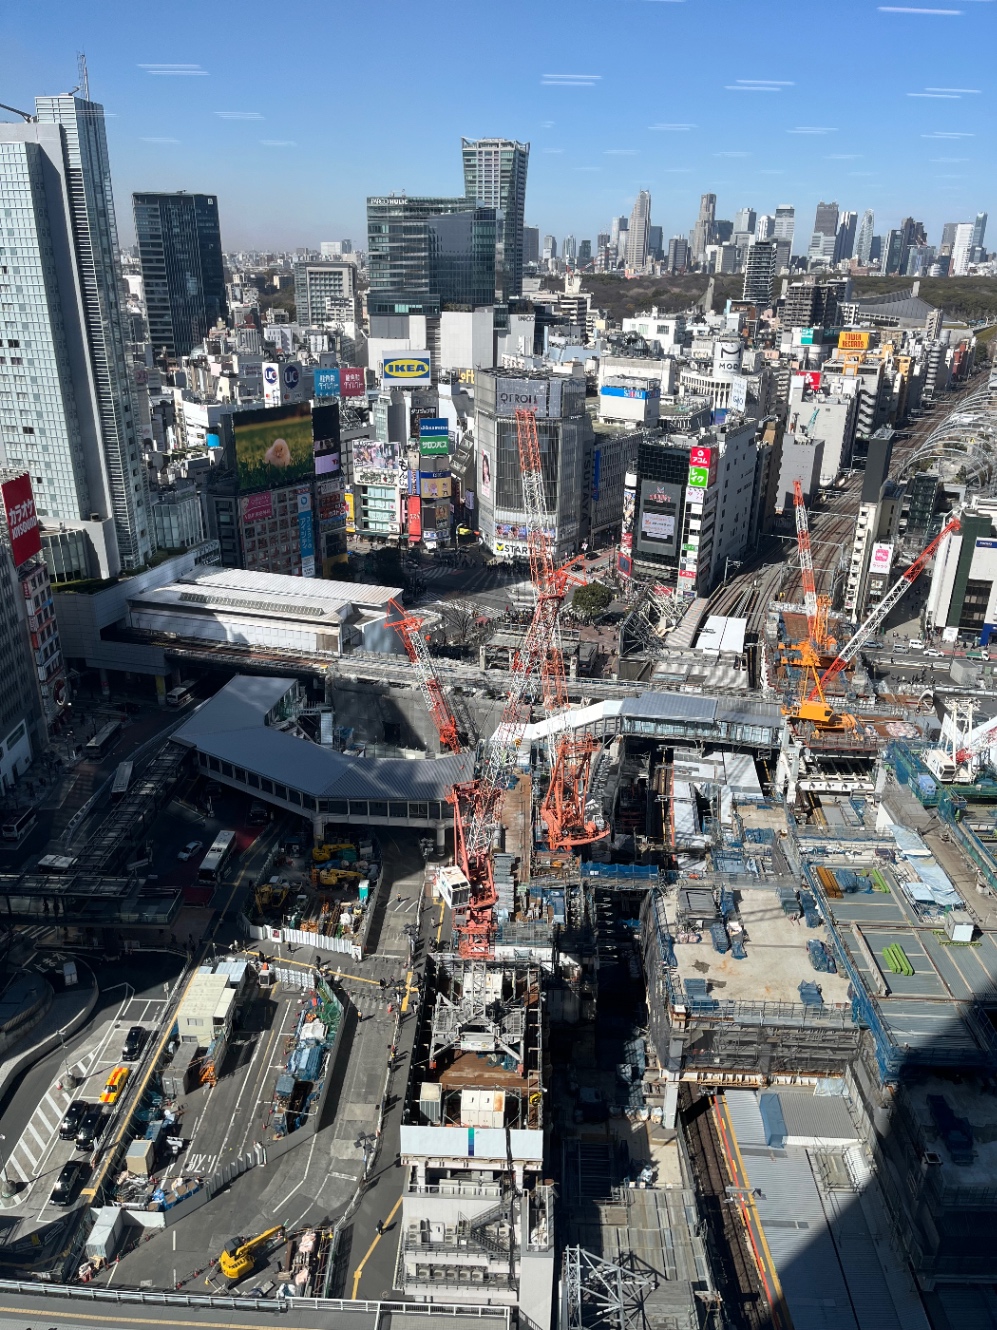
[(238, 1258)]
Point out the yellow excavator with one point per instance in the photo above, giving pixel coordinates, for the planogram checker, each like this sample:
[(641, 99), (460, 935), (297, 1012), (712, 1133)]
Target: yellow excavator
[(238, 1260)]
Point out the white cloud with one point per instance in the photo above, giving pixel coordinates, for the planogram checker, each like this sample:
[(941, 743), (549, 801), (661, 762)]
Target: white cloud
[(278, 143), (751, 87), (947, 160), (238, 115), (968, 92), (678, 129), (553, 152), (947, 134), (768, 83), (176, 71), (150, 139), (910, 9), (937, 96), (732, 154), (813, 129), (547, 124), (620, 152), (588, 168)]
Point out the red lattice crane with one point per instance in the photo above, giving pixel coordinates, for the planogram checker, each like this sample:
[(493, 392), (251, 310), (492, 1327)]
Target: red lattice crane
[(806, 561), (409, 629)]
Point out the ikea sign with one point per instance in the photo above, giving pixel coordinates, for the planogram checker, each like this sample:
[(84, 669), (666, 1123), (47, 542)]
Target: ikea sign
[(411, 369)]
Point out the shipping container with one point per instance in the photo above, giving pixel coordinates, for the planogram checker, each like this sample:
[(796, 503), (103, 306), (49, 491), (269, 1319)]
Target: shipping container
[(106, 1234), (139, 1158)]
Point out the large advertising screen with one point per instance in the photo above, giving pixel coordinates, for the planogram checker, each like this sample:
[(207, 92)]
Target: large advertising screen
[(22, 521), (327, 381), (485, 482), (372, 455), (660, 513), (273, 447)]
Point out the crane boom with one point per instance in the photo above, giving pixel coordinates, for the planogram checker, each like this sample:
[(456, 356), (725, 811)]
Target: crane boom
[(876, 616), (806, 561), (408, 627)]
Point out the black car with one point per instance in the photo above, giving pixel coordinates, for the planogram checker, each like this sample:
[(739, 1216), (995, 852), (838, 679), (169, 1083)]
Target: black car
[(69, 1182), (91, 1129), (75, 1114), (134, 1043)]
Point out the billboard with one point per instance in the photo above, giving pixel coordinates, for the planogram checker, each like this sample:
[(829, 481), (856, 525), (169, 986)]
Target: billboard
[(434, 445), (372, 455), (435, 487), (433, 426), (352, 381), (618, 390), (853, 341), (306, 535), (327, 382), (411, 369), (327, 464), (624, 565), (811, 378), (738, 393), (273, 447), (513, 395), (880, 560), (351, 521), (660, 509), (485, 487), (414, 515), (257, 507), (699, 477), (22, 521)]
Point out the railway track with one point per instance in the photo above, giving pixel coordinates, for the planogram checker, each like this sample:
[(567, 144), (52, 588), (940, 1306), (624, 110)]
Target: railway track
[(733, 1262)]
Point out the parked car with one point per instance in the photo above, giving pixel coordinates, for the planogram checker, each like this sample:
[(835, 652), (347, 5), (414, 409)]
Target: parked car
[(91, 1129), (134, 1043), (189, 850), (116, 1082), (69, 1181), (75, 1114)]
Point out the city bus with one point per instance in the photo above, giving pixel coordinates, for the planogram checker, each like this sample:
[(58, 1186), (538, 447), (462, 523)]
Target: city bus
[(122, 779), (105, 739), (18, 824), (217, 857), (181, 695)]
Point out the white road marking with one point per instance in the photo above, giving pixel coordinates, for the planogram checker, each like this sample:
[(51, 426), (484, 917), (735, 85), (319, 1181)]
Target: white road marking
[(31, 1128)]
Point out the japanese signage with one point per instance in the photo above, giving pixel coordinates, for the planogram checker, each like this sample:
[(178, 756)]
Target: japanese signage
[(22, 521), (352, 381), (880, 560), (327, 382), (853, 341), (257, 507)]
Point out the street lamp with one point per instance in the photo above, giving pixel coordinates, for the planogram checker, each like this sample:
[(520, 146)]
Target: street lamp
[(7, 1188)]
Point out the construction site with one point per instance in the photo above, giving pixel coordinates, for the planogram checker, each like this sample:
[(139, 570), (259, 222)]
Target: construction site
[(693, 935)]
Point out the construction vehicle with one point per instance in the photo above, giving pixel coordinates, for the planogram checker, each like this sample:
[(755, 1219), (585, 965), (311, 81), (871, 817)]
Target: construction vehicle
[(321, 854), (238, 1258), (815, 706), (337, 877)]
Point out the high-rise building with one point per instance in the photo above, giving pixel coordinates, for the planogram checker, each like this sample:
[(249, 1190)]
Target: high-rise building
[(324, 293), (702, 232), (569, 249), (180, 249), (531, 244), (21, 727), (845, 243), (765, 226), (979, 230), (892, 252), (759, 272), (962, 247), (784, 225), (73, 425), (826, 219), (678, 254), (495, 177), (565, 435), (432, 250), (549, 248), (655, 243), (745, 219), (638, 231), (584, 253), (863, 241), (948, 238)]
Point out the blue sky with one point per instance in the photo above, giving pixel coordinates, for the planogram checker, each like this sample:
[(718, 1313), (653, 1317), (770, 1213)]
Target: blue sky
[(293, 115)]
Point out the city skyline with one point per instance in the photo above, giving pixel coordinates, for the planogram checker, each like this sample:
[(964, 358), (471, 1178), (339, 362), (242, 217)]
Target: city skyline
[(183, 116)]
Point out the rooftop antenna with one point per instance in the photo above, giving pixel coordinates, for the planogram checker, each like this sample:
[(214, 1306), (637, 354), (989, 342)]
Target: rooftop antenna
[(84, 77)]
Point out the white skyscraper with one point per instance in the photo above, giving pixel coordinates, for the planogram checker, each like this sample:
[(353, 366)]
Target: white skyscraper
[(863, 241), (72, 422), (765, 227), (638, 233), (785, 222), (961, 249)]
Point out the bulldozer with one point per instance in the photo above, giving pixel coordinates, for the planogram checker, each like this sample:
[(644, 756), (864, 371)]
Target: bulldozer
[(238, 1258)]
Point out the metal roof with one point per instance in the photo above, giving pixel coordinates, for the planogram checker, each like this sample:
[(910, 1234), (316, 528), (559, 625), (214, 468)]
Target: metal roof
[(275, 586), (230, 727), (670, 706)]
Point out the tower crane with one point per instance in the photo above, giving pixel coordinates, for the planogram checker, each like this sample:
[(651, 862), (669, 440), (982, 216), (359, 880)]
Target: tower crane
[(815, 707), (409, 629)]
